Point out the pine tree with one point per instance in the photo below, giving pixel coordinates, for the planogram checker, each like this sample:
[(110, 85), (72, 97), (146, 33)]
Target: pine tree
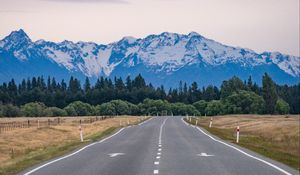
[(269, 94), (87, 85)]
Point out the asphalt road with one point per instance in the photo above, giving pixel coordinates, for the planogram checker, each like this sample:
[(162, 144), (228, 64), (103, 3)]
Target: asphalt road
[(161, 145)]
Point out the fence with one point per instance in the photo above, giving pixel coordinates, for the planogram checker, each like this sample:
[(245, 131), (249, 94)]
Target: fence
[(8, 126)]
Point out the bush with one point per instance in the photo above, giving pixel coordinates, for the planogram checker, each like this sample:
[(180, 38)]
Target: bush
[(200, 106), (282, 107), (116, 107), (121, 107), (54, 111), (79, 108), (105, 109), (9, 110), (243, 102), (34, 109), (70, 111), (183, 109), (153, 107), (214, 107)]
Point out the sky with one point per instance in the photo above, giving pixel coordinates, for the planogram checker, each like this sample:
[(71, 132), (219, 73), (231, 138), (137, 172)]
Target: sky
[(260, 25)]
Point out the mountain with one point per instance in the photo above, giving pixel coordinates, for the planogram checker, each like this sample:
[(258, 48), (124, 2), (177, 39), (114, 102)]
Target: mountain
[(162, 59)]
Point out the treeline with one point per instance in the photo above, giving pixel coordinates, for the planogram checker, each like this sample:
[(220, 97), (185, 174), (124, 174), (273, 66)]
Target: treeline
[(233, 97)]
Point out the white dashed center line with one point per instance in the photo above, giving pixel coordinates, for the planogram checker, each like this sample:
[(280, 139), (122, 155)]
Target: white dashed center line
[(156, 171)]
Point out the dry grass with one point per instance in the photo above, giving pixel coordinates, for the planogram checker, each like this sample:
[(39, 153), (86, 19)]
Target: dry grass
[(17, 143), (275, 136)]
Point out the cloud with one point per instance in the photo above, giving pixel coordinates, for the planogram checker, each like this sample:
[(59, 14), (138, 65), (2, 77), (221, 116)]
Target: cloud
[(93, 1)]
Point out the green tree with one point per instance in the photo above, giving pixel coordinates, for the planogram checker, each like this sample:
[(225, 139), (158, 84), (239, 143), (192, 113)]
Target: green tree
[(9, 110), (214, 107), (232, 85), (269, 94), (70, 111), (33, 109), (243, 102), (105, 109), (200, 106), (80, 108), (54, 111), (282, 107)]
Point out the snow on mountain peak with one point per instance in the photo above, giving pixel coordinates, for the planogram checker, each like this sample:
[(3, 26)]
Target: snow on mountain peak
[(130, 39), (167, 52)]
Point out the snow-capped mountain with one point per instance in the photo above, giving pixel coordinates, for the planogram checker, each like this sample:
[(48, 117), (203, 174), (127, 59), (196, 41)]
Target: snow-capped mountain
[(161, 59)]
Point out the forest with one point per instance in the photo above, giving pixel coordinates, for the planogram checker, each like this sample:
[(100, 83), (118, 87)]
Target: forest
[(47, 97)]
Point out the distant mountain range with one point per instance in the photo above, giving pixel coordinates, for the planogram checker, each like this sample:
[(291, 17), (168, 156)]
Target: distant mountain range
[(162, 59)]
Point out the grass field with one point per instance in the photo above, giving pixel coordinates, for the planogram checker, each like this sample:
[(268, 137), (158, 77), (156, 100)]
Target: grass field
[(275, 136), (23, 147)]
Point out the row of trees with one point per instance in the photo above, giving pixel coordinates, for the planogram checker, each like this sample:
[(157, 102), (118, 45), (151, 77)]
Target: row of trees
[(241, 102), (234, 96)]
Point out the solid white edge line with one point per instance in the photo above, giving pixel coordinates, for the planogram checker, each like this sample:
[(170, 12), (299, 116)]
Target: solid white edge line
[(243, 152), (145, 121), (69, 155)]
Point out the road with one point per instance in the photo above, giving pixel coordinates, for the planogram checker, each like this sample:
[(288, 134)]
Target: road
[(161, 145)]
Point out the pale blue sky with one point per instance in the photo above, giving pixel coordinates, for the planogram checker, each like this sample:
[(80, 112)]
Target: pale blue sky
[(261, 25)]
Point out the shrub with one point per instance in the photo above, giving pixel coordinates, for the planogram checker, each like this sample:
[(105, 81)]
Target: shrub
[(214, 107), (282, 107), (9, 110), (33, 109), (79, 108), (54, 111)]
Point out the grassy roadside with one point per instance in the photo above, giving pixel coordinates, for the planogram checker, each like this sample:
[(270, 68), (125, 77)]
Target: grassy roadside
[(255, 142), (41, 155), (37, 155)]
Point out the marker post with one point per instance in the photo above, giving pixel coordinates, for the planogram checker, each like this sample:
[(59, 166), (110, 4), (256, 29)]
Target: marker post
[(237, 134), (210, 123), (80, 132)]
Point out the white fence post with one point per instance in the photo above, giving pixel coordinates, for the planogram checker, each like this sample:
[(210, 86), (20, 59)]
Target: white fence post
[(80, 132), (237, 134)]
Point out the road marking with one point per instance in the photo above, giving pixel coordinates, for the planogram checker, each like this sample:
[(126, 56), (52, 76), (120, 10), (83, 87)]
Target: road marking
[(205, 155), (145, 121), (115, 154), (72, 154), (160, 130), (159, 145), (243, 152)]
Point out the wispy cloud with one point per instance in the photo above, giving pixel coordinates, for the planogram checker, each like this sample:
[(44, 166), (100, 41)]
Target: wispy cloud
[(93, 1)]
